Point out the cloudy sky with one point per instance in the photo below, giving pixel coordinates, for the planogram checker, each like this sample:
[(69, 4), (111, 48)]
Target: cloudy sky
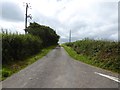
[(97, 19)]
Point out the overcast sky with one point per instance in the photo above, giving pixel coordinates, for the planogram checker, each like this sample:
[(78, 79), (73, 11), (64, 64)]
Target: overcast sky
[(97, 19)]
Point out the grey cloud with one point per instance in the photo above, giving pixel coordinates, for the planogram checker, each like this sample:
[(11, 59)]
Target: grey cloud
[(59, 0), (107, 10), (102, 32), (101, 28), (79, 26), (82, 23), (107, 13), (51, 21), (11, 12), (63, 40)]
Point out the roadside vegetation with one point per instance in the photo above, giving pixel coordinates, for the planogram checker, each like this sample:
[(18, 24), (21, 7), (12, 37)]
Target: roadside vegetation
[(20, 50), (103, 54), (13, 67)]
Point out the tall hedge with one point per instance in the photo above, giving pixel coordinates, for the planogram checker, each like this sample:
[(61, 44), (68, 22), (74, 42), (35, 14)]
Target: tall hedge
[(18, 47)]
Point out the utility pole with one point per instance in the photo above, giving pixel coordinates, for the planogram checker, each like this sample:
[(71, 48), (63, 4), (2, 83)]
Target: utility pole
[(70, 36), (27, 16)]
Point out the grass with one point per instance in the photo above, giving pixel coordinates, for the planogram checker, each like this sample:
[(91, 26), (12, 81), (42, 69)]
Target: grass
[(14, 67), (74, 55), (87, 59)]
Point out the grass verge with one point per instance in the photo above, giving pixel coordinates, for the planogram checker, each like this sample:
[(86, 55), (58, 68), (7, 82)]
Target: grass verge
[(87, 59), (14, 67)]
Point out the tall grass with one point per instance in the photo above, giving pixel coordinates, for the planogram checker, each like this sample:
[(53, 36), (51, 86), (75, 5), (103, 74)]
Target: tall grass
[(103, 53)]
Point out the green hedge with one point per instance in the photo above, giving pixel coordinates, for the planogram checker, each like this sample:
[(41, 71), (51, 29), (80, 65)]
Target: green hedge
[(99, 51), (18, 47)]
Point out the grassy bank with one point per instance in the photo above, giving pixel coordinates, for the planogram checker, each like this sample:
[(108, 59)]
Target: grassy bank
[(13, 67), (97, 57)]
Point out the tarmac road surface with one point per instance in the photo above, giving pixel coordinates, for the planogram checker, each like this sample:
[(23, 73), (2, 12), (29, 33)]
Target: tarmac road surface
[(58, 70)]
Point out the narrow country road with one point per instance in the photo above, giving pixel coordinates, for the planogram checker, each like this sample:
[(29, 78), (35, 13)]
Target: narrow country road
[(58, 70)]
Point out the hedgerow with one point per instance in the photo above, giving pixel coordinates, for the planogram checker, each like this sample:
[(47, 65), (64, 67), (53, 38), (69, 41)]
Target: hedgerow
[(19, 47), (99, 51)]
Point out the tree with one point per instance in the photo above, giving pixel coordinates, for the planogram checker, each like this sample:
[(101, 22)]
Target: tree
[(47, 34)]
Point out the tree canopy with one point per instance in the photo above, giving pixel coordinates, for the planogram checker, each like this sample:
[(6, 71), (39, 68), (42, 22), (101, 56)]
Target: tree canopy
[(47, 34)]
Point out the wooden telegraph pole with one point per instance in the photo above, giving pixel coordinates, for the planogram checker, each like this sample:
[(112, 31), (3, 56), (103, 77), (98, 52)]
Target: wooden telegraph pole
[(27, 16)]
